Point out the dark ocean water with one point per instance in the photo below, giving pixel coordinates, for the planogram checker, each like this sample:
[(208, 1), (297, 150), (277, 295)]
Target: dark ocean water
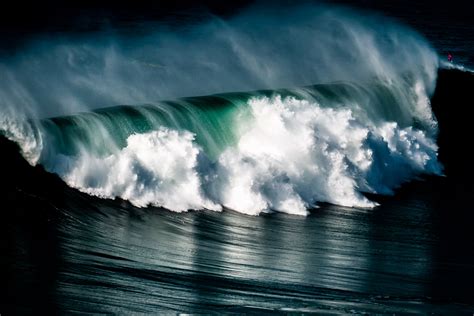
[(103, 257), (66, 252)]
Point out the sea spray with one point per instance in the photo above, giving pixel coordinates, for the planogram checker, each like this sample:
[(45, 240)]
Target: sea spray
[(259, 48)]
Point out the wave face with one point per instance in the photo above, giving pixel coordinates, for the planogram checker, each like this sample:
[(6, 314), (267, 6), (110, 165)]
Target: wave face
[(367, 127)]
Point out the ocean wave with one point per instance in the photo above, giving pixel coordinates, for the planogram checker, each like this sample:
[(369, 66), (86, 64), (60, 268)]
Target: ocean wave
[(288, 155), (360, 120)]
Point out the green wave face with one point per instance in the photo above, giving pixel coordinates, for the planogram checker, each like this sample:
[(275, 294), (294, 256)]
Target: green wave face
[(217, 121), (211, 119)]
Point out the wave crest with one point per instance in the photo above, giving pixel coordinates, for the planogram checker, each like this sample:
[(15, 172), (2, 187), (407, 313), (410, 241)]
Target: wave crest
[(290, 155)]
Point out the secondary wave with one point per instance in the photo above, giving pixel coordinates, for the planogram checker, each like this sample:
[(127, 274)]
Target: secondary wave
[(369, 128), (449, 65)]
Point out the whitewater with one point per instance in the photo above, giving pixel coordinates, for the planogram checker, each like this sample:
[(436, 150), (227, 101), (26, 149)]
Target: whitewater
[(260, 112)]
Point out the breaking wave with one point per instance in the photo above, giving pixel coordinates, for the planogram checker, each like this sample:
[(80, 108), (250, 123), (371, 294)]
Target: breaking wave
[(355, 116)]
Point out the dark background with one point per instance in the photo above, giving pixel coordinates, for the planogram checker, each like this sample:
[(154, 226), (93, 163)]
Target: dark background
[(22, 18), (447, 24)]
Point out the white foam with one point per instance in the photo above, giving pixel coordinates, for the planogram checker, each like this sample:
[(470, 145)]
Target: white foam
[(296, 153), (157, 168), (291, 155), (24, 133)]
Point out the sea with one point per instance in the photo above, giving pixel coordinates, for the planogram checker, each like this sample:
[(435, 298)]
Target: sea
[(254, 157)]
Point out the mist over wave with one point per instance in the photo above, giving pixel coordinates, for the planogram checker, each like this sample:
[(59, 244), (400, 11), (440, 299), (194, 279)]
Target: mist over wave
[(262, 48), (450, 65), (355, 116)]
